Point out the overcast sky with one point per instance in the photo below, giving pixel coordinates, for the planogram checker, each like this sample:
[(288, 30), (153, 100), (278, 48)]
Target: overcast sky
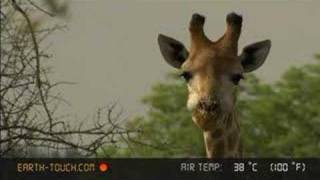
[(110, 48)]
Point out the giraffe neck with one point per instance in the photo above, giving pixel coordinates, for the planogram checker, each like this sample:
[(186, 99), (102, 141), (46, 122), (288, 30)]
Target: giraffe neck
[(221, 134)]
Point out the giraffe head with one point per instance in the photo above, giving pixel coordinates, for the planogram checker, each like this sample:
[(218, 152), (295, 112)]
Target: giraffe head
[(213, 69)]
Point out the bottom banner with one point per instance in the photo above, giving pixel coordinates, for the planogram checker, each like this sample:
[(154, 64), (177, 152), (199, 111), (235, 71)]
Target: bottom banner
[(164, 169)]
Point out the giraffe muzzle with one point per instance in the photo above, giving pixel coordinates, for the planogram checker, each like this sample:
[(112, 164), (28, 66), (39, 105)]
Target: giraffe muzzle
[(208, 105)]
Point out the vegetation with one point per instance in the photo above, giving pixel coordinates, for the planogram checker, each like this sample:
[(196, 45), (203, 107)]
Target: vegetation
[(283, 119), (31, 124)]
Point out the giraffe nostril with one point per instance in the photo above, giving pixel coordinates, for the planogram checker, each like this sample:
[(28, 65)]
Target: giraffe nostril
[(186, 75)]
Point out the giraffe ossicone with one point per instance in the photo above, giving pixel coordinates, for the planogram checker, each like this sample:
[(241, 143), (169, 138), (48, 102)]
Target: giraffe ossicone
[(212, 70)]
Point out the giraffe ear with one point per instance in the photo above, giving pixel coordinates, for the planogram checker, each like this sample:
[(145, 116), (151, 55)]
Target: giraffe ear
[(254, 55), (172, 50)]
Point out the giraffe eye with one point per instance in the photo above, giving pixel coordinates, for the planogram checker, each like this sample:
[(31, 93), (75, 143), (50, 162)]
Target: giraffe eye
[(186, 75), (235, 78)]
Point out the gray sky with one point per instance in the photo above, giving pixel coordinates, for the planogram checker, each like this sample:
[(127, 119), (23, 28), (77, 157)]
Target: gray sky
[(110, 47)]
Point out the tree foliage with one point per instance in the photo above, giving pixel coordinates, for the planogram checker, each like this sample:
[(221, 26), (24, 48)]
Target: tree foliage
[(283, 119)]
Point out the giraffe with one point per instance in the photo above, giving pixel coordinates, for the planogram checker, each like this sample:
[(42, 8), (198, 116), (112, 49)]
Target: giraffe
[(212, 71)]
